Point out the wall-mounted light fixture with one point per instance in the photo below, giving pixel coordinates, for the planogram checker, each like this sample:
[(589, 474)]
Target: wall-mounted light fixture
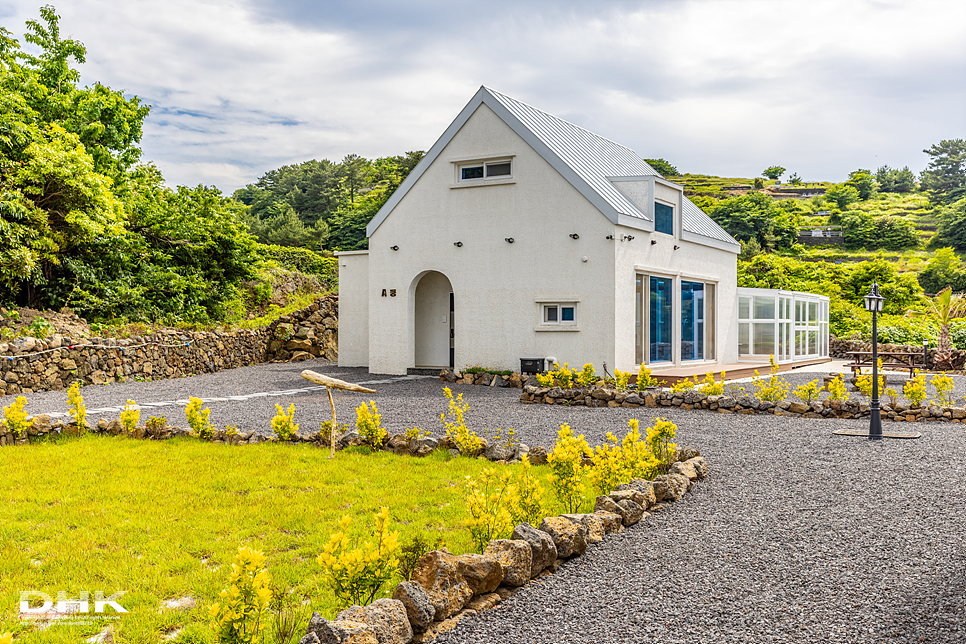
[(609, 237), (394, 248), (583, 259), (574, 236), (627, 237), (676, 247), (653, 241), (509, 240), (458, 244)]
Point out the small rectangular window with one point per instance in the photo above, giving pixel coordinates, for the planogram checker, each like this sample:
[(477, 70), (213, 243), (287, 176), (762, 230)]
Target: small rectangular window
[(663, 218), (474, 172), (551, 314), (498, 169), (566, 314), (559, 314)]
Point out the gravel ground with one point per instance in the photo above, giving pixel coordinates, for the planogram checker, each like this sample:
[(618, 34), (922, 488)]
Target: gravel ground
[(796, 535)]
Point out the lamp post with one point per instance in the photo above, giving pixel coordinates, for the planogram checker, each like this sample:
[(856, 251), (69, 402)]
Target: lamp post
[(874, 303)]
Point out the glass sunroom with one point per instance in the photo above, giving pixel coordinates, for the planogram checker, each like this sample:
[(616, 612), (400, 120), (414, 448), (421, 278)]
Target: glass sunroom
[(789, 325)]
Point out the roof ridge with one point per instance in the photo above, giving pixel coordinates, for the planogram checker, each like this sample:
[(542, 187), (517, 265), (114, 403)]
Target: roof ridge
[(557, 118)]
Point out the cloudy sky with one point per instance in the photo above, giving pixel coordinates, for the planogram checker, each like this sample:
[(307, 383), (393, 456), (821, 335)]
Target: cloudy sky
[(726, 87)]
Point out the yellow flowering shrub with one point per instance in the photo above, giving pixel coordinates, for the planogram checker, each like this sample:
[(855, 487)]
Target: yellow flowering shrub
[(283, 424), (640, 462), (369, 424), (864, 382), (837, 389), (488, 500), (893, 396), (198, 421), (645, 380), (77, 409), (683, 385), (774, 389), (356, 574), (610, 469), (564, 376), (943, 385), (15, 418), (621, 378), (414, 433), (456, 430), (130, 417), (6, 638), (545, 379), (566, 467), (586, 377), (915, 389), (659, 443), (809, 392), (241, 616), (529, 502), (709, 386)]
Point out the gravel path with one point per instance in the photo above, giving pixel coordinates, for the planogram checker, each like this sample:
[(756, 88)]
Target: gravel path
[(795, 536)]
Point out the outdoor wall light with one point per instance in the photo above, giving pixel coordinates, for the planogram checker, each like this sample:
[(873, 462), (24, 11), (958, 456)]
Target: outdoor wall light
[(458, 244), (574, 236), (627, 237), (653, 241), (676, 247), (609, 237), (394, 248), (509, 240)]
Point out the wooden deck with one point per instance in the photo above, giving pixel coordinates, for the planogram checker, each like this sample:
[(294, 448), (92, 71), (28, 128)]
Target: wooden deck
[(733, 371)]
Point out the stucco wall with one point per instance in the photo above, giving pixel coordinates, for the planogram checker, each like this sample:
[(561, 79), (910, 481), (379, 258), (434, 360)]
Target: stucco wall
[(354, 309)]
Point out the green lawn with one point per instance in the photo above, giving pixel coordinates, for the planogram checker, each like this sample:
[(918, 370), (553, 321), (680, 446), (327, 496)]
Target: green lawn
[(162, 520)]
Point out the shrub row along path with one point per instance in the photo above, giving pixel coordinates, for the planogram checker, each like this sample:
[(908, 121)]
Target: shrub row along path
[(796, 535)]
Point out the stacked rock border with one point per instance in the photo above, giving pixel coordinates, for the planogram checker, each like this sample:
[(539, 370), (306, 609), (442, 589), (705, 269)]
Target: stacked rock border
[(446, 588), (29, 365)]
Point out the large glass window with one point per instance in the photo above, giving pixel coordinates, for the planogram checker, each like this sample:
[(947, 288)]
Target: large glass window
[(692, 321), (663, 218), (660, 327), (639, 320)]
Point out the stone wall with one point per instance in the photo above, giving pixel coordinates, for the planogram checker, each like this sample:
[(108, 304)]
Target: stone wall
[(839, 349), (29, 365)]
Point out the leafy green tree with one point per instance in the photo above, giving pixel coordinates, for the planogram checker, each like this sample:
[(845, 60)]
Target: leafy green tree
[(952, 225), (892, 180), (794, 179), (943, 308), (663, 167), (841, 195), (862, 230), (773, 172), (945, 176), (901, 290), (863, 182), (756, 216), (944, 269)]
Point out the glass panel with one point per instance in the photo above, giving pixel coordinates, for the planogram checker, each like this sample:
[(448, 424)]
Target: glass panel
[(782, 344), (744, 308), (813, 312), (566, 314), (498, 169), (692, 320), (764, 339), (709, 311), (764, 308), (475, 172), (663, 218), (800, 343), (639, 321), (812, 342), (744, 348), (660, 335), (551, 314), (798, 311)]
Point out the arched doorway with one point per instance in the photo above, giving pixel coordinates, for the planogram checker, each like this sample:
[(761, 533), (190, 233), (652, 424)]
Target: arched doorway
[(434, 322)]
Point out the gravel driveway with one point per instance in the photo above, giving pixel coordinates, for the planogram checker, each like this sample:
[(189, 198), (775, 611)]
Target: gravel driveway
[(795, 536)]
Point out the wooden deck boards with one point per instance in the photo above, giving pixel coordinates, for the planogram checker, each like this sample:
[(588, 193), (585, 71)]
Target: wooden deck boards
[(733, 371)]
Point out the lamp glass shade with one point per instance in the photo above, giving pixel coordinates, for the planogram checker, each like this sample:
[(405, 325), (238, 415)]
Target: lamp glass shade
[(874, 301)]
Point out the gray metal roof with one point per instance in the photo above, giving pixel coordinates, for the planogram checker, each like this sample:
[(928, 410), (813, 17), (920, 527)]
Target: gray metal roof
[(585, 159)]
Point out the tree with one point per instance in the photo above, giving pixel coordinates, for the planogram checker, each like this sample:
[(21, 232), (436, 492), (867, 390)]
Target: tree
[(773, 172), (885, 232), (944, 308), (891, 180), (952, 225), (863, 182), (944, 269), (756, 216), (663, 167), (794, 179), (945, 176), (841, 195)]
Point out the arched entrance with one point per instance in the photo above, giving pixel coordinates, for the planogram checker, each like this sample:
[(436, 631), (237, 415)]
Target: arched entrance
[(434, 322)]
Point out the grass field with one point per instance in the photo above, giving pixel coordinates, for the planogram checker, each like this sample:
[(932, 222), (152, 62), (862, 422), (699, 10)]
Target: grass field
[(163, 520)]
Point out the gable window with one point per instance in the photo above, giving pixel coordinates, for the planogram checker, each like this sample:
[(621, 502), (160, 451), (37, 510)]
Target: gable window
[(559, 314), (482, 171), (663, 218)]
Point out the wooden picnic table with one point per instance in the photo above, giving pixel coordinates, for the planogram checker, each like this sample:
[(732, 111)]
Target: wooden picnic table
[(895, 359)]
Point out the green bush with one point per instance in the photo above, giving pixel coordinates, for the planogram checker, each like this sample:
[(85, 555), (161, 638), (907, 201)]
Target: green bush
[(303, 260), (862, 230)]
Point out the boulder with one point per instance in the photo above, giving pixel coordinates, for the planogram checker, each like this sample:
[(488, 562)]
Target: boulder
[(419, 608), (593, 526), (613, 521), (311, 638), (483, 574), (700, 466), (676, 486), (631, 494), (605, 504), (685, 468), (339, 632), (499, 451), (630, 511), (387, 618), (438, 573), (515, 556), (569, 537), (543, 551), (481, 603), (686, 453), (645, 487), (538, 455)]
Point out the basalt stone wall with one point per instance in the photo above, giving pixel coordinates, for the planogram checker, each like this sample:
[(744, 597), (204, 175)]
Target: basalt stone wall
[(839, 349), (28, 364)]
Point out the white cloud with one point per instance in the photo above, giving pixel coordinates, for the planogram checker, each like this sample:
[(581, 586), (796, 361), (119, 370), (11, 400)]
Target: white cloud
[(821, 87)]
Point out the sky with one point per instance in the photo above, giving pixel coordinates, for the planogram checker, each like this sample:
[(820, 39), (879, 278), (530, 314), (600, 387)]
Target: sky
[(724, 87)]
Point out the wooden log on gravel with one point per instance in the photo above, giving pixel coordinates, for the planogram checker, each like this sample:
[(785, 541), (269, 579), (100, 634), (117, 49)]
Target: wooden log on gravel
[(330, 384)]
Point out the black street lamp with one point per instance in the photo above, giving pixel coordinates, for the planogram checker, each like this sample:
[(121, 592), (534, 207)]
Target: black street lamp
[(874, 303)]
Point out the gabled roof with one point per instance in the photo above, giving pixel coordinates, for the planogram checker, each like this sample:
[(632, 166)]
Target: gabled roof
[(588, 161)]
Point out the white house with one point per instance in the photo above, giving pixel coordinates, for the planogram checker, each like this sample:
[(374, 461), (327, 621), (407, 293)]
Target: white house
[(520, 235)]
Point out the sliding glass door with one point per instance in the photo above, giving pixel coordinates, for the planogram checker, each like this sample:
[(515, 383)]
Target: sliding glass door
[(661, 295)]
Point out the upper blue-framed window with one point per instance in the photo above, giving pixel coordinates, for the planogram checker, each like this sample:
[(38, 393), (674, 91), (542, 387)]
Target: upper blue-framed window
[(488, 170), (663, 218)]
